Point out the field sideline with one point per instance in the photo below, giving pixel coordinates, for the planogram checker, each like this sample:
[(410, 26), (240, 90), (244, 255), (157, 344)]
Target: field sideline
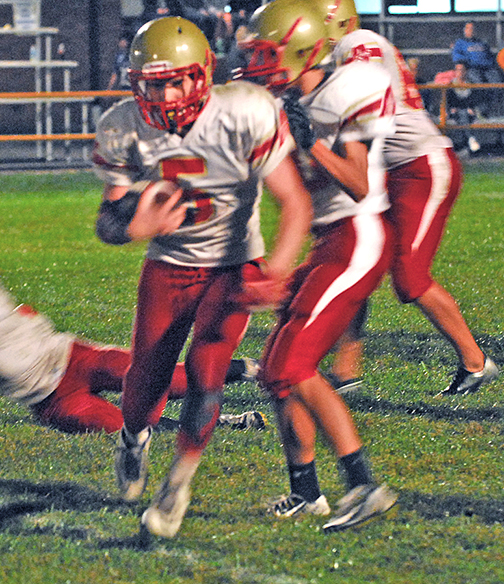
[(61, 521)]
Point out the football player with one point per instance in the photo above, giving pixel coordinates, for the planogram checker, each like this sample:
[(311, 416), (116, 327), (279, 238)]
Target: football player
[(424, 178), (203, 269), (339, 123), (59, 377)]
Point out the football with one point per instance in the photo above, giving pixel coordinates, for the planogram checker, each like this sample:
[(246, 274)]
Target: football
[(163, 190)]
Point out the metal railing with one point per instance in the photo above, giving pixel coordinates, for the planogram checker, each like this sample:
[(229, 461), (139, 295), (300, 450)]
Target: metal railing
[(81, 130), (77, 125), (494, 123)]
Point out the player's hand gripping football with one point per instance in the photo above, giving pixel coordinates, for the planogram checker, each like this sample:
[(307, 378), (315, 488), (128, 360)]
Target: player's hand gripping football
[(261, 288), (159, 210), (299, 123)]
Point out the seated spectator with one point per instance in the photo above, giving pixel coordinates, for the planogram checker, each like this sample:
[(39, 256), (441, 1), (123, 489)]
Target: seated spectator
[(480, 65), (445, 77), (240, 18), (461, 106)]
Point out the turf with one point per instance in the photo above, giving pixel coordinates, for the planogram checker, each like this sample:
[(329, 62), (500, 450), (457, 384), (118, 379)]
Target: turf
[(61, 521)]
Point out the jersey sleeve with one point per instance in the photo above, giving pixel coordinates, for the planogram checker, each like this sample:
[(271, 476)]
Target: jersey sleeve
[(115, 159), (361, 45), (271, 139)]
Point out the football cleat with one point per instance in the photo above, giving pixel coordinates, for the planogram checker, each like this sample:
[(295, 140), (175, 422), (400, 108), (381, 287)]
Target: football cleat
[(466, 382), (245, 369), (254, 419), (291, 505), (164, 517), (359, 505), (131, 463), (252, 369), (346, 386)]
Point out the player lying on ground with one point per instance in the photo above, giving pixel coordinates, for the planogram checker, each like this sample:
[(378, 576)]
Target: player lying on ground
[(58, 376)]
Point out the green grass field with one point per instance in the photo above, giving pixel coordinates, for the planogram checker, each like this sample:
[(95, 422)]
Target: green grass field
[(61, 521)]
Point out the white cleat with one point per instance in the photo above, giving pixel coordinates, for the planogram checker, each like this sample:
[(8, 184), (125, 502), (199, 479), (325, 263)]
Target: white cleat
[(359, 505), (165, 518), (293, 505)]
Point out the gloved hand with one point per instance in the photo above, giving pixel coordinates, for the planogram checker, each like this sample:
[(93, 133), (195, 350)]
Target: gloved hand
[(300, 125)]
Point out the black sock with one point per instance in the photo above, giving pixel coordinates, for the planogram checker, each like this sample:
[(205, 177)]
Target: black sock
[(235, 371), (357, 469), (304, 481)]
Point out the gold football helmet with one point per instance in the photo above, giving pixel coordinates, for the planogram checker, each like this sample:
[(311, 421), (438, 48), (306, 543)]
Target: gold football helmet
[(165, 49), (286, 39), (340, 16)]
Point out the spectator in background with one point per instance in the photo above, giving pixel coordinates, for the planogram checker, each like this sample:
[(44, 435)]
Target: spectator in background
[(61, 51), (119, 78), (480, 65), (445, 77), (240, 18), (234, 59), (461, 106), (223, 33)]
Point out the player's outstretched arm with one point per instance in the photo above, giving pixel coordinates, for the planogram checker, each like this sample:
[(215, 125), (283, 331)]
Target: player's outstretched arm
[(296, 214)]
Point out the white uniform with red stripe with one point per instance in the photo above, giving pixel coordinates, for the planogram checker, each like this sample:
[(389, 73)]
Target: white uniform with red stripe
[(238, 139), (353, 246), (424, 175), (416, 135), (191, 275), (344, 109)]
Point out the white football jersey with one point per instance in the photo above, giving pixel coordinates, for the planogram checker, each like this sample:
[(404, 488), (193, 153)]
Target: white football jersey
[(33, 356), (238, 139), (354, 103), (416, 134)]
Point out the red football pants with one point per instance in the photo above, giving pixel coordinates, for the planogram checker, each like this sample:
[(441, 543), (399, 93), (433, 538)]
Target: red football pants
[(73, 407), (171, 300), (422, 194), (345, 267)]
